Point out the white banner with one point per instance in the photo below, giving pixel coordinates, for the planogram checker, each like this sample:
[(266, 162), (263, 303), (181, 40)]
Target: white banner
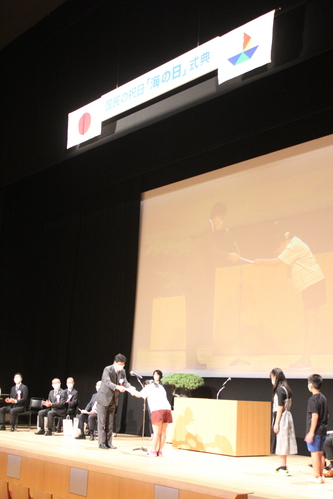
[(233, 54), (246, 48), (185, 68)]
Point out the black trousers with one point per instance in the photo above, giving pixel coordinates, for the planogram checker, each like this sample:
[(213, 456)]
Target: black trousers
[(13, 411), (50, 414), (105, 422), (90, 418)]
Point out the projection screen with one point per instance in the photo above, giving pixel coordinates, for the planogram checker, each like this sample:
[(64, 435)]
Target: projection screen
[(208, 302)]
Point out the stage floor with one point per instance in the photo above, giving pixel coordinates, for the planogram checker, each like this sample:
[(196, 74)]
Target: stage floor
[(202, 473)]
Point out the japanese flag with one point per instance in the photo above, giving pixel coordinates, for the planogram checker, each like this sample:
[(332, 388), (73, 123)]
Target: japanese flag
[(246, 48), (84, 123)]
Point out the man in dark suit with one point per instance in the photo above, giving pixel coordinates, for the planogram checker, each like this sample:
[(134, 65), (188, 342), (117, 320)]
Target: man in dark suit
[(113, 381), (54, 406), (72, 401), (89, 415), (17, 401), (72, 397)]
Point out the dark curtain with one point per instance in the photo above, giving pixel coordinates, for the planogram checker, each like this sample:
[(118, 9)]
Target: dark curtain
[(68, 279)]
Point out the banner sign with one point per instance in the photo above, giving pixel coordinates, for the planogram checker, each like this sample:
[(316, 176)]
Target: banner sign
[(173, 74), (242, 50)]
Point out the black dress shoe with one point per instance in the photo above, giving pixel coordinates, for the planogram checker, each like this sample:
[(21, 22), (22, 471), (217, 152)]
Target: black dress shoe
[(91, 436), (12, 428), (80, 437), (103, 446), (40, 432), (112, 447), (48, 433), (2, 428)]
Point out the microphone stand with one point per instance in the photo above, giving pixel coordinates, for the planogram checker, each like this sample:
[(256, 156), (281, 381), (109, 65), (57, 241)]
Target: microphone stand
[(143, 421), (239, 361), (222, 388)]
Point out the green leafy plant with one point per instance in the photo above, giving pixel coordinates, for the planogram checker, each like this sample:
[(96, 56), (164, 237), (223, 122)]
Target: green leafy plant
[(183, 382)]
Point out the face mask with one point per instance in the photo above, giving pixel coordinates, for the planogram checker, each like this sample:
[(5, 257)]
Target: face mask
[(56, 386), (70, 386), (156, 377), (118, 368), (97, 388), (17, 381)]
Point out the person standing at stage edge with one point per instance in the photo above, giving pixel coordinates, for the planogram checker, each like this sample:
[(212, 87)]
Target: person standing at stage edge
[(113, 381), (283, 439)]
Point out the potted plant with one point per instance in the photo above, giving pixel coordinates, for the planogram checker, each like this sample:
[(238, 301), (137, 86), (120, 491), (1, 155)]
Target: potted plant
[(183, 382)]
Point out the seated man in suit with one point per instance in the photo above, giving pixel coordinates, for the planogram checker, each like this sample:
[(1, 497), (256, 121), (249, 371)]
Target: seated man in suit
[(54, 406), (17, 401), (72, 401), (89, 414)]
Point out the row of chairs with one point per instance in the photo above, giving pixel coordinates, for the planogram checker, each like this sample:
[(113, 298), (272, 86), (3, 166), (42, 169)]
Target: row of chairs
[(20, 491)]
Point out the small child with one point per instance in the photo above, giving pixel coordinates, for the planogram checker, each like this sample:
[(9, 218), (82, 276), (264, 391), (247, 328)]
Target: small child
[(316, 427)]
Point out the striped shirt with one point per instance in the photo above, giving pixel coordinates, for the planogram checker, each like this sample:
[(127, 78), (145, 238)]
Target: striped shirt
[(305, 270)]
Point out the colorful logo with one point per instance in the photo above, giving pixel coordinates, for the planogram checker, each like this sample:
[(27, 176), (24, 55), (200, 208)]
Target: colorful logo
[(247, 53)]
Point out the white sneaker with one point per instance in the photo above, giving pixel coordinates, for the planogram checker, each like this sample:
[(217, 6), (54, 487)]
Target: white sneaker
[(316, 479)]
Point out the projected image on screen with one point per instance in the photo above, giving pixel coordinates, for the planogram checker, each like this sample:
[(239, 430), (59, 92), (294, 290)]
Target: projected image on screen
[(235, 270)]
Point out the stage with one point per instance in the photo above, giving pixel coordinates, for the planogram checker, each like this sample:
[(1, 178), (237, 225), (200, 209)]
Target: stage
[(60, 464)]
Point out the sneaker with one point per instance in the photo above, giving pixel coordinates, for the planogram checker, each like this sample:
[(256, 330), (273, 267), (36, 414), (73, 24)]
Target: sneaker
[(152, 454), (40, 432), (316, 479), (281, 472), (329, 473), (159, 453)]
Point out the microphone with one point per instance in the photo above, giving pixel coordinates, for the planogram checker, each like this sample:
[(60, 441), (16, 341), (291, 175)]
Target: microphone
[(132, 373)]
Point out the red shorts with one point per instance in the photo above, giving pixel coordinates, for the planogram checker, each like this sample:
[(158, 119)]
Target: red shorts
[(161, 416)]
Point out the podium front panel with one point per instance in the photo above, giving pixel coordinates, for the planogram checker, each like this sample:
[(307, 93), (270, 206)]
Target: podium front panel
[(229, 427)]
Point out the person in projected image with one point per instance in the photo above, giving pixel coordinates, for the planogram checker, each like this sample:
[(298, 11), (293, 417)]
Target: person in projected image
[(306, 278), (207, 254)]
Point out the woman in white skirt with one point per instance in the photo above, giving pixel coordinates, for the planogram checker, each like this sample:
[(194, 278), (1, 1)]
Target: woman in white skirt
[(283, 439)]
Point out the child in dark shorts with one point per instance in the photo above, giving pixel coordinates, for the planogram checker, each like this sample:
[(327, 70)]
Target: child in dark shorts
[(316, 427)]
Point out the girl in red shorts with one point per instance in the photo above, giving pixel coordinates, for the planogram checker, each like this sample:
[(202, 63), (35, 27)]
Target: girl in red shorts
[(160, 414)]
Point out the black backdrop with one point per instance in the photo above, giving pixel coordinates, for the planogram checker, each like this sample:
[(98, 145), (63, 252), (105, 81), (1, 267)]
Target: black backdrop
[(70, 220)]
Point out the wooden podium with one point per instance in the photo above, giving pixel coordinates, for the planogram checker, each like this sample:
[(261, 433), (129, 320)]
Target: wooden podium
[(229, 427)]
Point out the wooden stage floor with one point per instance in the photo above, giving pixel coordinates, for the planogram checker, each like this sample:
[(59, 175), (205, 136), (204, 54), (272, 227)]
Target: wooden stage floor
[(198, 475)]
